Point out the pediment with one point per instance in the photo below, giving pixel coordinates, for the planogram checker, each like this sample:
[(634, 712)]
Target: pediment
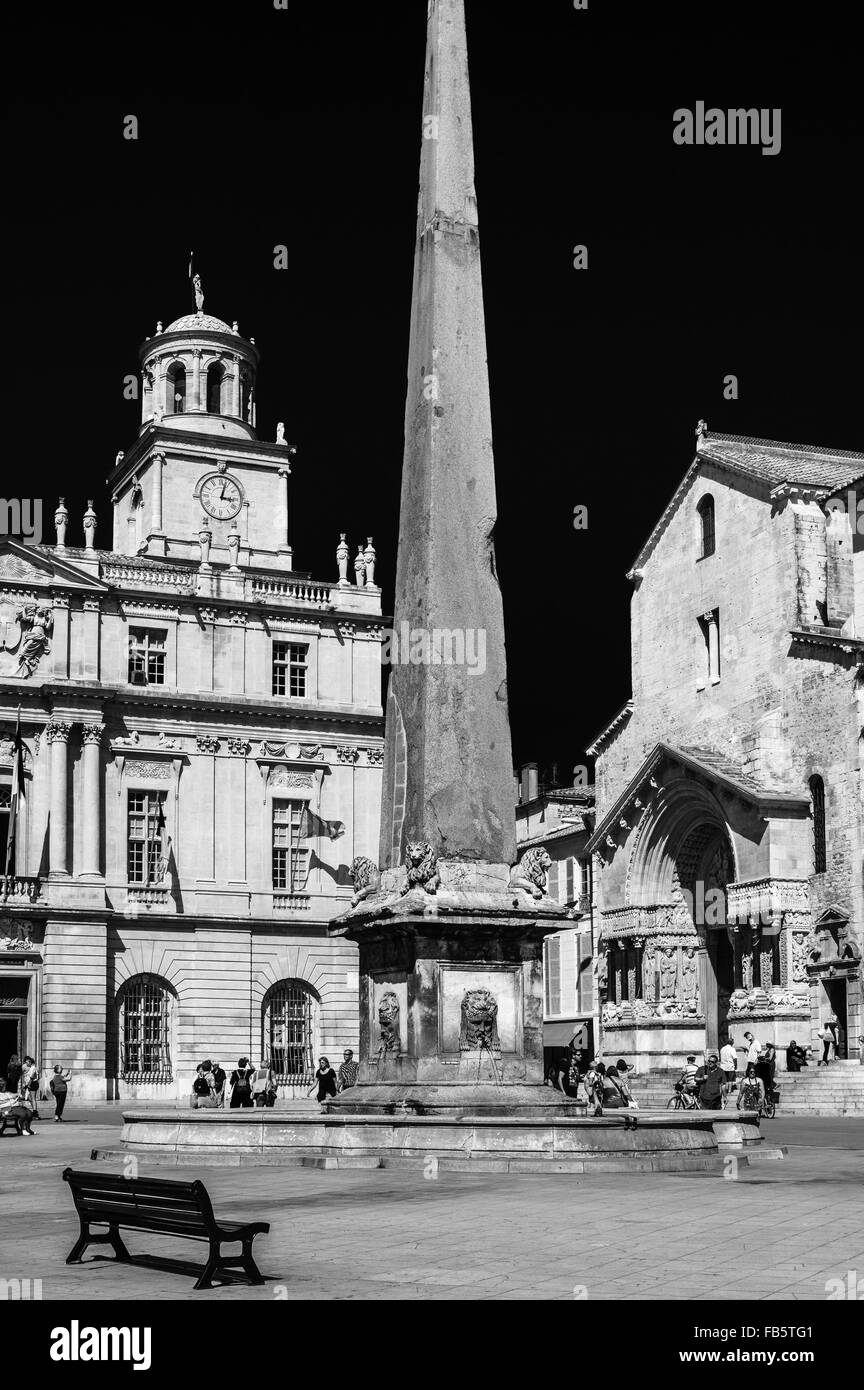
[(21, 566), (832, 916)]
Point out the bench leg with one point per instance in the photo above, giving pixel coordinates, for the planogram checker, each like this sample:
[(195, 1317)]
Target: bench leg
[(74, 1256), (252, 1270), (205, 1280), (116, 1241)]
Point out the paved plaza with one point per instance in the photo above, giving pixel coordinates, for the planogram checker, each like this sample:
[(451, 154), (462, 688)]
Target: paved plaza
[(780, 1229)]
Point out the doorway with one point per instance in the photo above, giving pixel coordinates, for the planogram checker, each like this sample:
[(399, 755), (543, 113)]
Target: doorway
[(11, 1039), (836, 991)]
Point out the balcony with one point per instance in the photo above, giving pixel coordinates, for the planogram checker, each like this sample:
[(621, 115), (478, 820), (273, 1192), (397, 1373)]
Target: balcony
[(19, 890), (291, 902), (152, 898)]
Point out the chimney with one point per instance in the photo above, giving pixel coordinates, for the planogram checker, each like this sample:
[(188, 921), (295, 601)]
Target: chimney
[(529, 782)]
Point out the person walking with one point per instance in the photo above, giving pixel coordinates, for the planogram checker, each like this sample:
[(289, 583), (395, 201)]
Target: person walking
[(58, 1088), (241, 1086), (710, 1084), (751, 1092), (325, 1080), (828, 1039), (347, 1075)]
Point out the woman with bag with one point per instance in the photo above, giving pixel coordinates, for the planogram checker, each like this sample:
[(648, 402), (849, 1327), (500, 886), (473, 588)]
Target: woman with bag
[(241, 1086)]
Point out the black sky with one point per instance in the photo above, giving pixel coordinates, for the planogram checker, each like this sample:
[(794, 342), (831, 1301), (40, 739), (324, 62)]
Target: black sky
[(258, 127)]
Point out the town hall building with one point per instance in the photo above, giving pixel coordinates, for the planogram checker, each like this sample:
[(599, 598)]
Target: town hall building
[(729, 840), (202, 749)]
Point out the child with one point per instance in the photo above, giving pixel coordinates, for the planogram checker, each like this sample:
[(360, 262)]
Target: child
[(57, 1086)]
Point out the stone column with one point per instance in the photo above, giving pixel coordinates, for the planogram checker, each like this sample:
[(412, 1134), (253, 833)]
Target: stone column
[(57, 734), (285, 541), (195, 403), (147, 395), (158, 465), (235, 387), (92, 802), (710, 619)]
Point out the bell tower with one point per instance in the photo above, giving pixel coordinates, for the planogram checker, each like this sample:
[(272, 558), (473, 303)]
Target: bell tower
[(198, 484)]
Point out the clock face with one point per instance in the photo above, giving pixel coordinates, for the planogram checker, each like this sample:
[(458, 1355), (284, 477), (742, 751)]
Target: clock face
[(221, 496)]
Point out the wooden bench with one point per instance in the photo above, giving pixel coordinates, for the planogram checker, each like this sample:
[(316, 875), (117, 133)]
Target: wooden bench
[(165, 1207)]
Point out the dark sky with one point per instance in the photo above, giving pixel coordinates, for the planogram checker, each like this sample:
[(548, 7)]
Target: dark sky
[(259, 127)]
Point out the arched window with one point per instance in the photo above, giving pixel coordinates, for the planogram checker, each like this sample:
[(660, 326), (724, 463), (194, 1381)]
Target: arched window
[(176, 390), (145, 1015), (289, 1016), (817, 802), (214, 389), (706, 526)]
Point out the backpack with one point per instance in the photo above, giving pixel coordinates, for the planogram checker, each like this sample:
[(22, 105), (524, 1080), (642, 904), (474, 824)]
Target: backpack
[(243, 1081)]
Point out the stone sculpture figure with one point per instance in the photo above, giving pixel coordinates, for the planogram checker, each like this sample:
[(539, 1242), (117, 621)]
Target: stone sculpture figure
[(649, 966), (668, 973), (366, 878), (343, 555), (199, 293), (360, 567), (479, 1024), (388, 1021), (421, 862), (690, 977), (531, 873), (37, 624)]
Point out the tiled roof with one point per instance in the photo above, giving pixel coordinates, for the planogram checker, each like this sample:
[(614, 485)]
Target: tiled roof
[(774, 462), (719, 764), (112, 557)]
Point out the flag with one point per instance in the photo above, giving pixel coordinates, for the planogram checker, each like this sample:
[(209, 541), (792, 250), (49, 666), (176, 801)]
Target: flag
[(17, 792), (161, 868), (311, 825)]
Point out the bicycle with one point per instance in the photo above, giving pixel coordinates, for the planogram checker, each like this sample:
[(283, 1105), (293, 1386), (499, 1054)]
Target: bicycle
[(683, 1100)]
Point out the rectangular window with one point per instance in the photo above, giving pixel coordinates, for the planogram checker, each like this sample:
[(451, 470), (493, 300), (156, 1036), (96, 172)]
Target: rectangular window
[(584, 974), (146, 656), (552, 973), (290, 661), (290, 856), (145, 837), (5, 817), (569, 876)]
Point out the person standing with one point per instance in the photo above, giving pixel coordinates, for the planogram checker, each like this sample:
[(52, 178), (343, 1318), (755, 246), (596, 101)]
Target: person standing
[(754, 1049), (13, 1073), (241, 1086), (710, 1083), (828, 1040), (29, 1085), (751, 1092), (325, 1079), (58, 1088), (348, 1072), (219, 1080), (729, 1064)]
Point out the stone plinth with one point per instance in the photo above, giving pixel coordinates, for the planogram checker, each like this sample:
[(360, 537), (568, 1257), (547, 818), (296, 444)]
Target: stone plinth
[(451, 1001)]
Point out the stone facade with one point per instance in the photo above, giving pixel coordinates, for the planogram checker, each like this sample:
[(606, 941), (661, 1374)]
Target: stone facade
[(730, 803), (559, 820), (203, 742)]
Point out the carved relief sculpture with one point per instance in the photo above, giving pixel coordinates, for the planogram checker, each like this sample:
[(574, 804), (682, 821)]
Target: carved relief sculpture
[(531, 873), (37, 624), (388, 1021), (421, 862), (668, 963), (690, 979), (479, 1024), (649, 966)]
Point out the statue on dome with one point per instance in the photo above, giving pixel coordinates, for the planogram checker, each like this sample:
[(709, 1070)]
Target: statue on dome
[(199, 293)]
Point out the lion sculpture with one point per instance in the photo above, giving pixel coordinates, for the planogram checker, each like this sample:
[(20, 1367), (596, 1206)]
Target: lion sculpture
[(421, 862), (366, 878), (531, 872)]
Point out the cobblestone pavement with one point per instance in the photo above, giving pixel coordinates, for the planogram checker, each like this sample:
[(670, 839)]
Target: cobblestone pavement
[(778, 1230)]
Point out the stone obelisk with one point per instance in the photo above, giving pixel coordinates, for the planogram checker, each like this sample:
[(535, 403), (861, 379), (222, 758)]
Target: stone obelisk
[(451, 937)]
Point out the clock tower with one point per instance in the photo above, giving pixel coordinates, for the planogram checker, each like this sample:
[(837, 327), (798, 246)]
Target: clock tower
[(198, 485)]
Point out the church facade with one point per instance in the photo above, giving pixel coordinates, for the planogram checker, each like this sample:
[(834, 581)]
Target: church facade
[(202, 748), (729, 843)]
